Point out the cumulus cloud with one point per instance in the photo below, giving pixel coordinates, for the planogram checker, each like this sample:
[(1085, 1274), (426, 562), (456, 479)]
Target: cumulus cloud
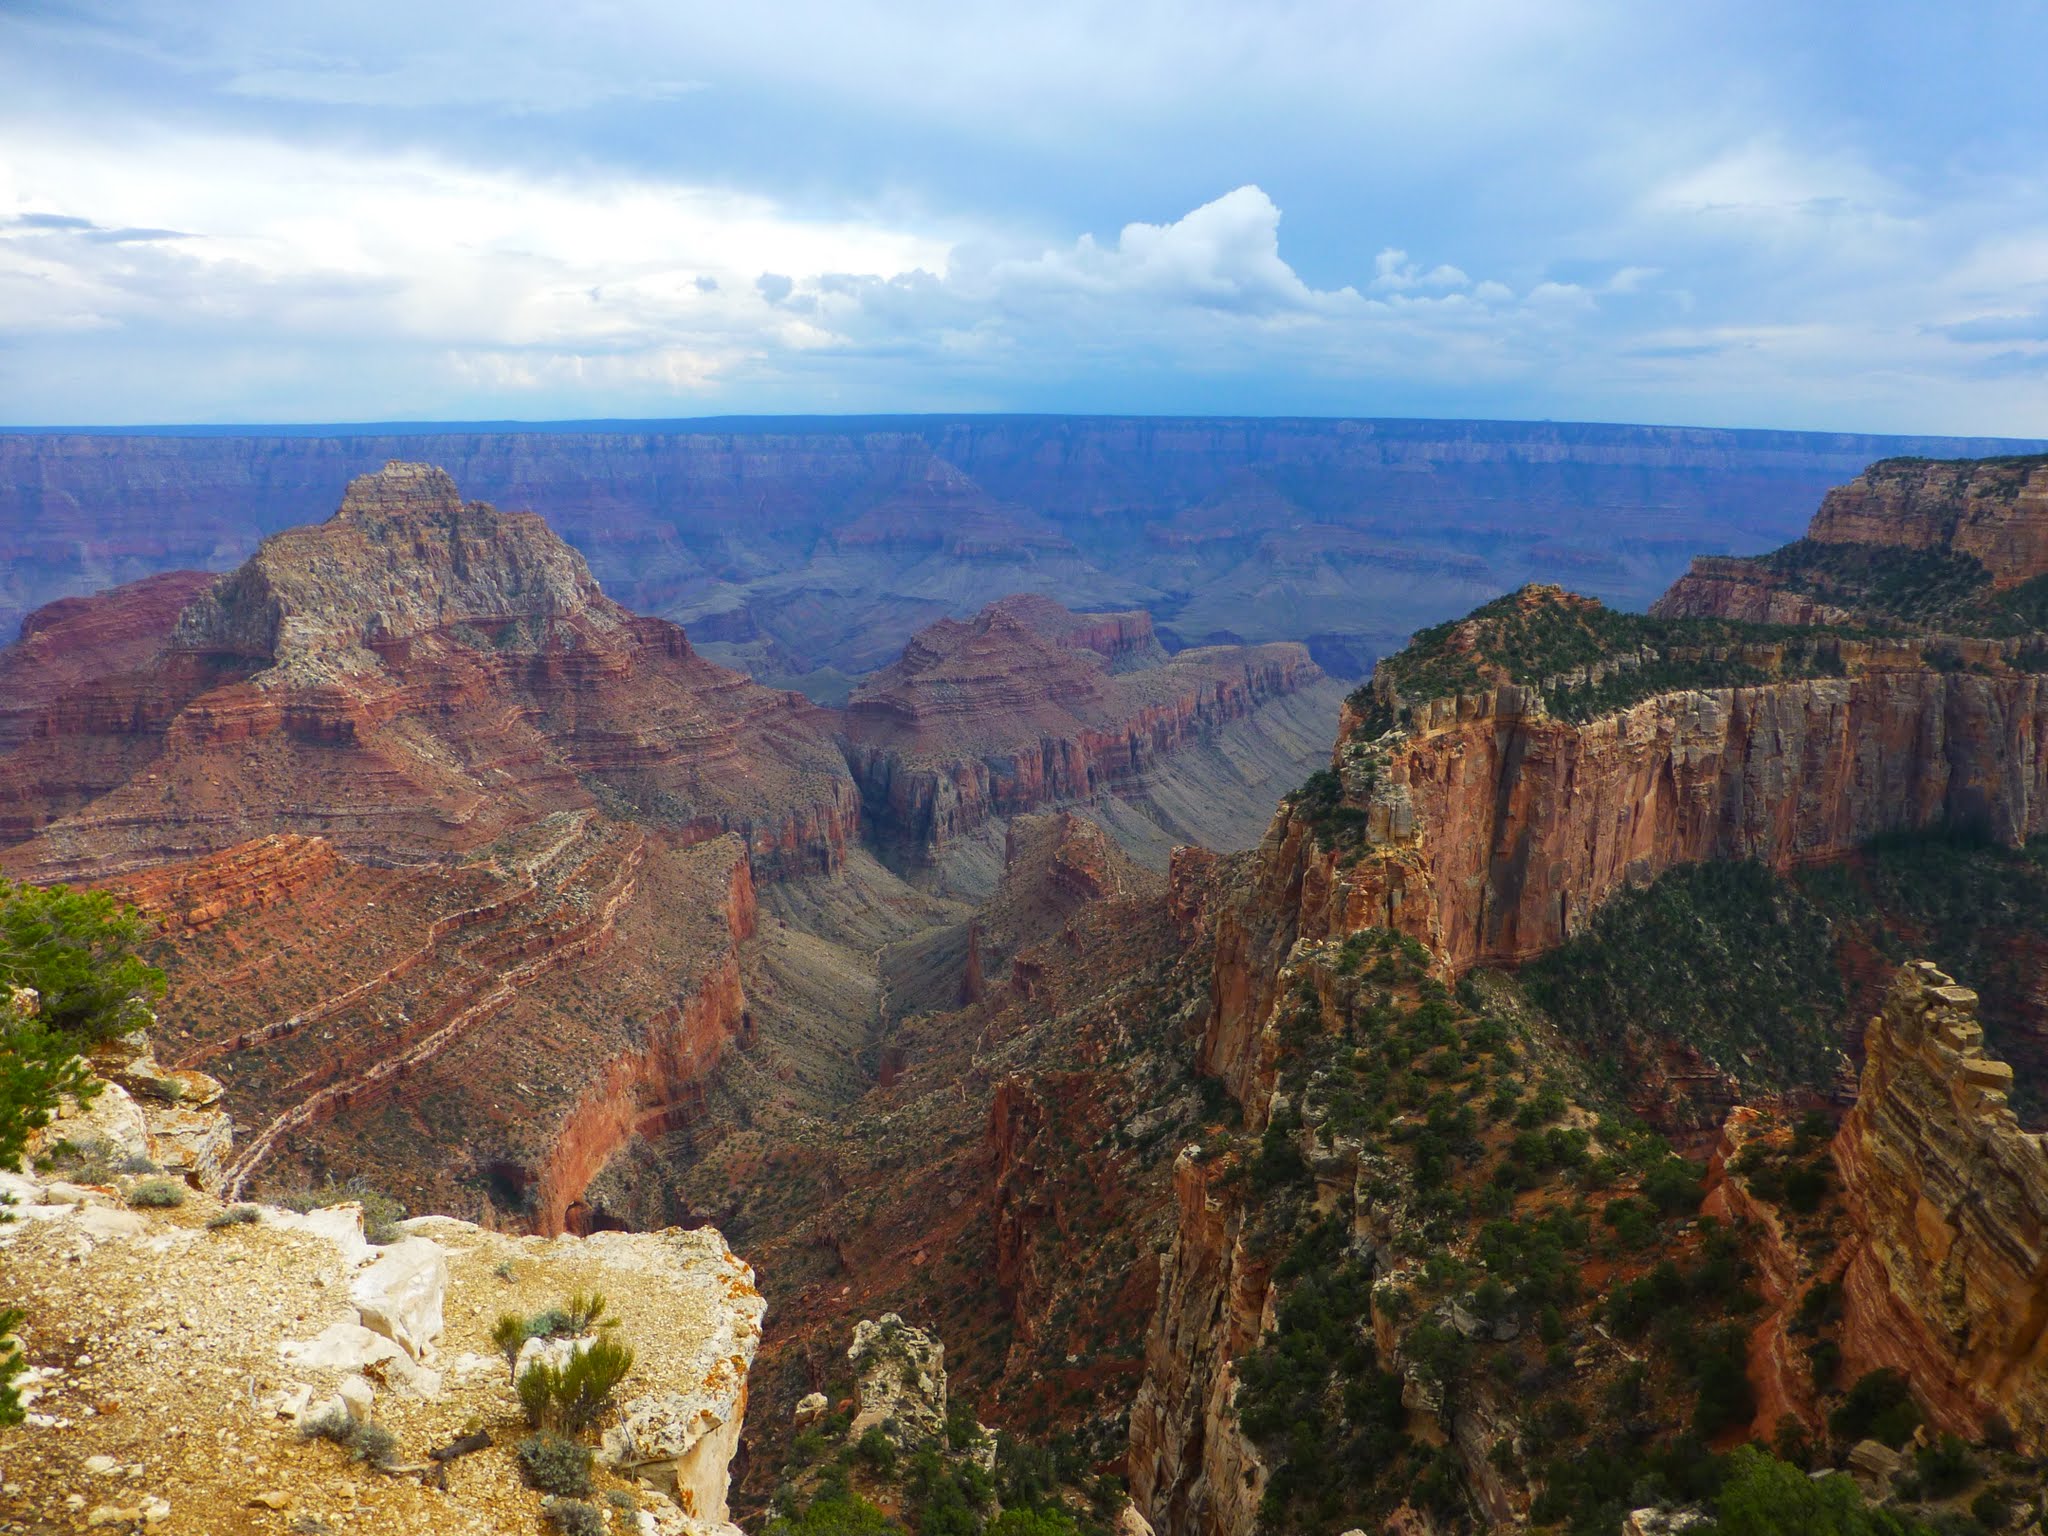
[(1225, 255)]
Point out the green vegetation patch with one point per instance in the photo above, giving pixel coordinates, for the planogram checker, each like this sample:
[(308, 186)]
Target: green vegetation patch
[(1907, 586), (1533, 636), (1727, 957)]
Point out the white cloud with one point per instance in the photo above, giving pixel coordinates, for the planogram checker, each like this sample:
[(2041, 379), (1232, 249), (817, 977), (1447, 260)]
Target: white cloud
[(1224, 255)]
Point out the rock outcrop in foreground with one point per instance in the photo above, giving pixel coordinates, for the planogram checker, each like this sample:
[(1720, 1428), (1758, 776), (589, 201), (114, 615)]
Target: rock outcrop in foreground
[(178, 1348), (1949, 1276)]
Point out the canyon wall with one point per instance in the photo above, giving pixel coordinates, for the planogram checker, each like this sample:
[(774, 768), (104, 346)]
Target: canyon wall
[(1494, 829), (1191, 1469), (1993, 510), (1947, 1279), (1029, 706), (652, 1086), (819, 537)]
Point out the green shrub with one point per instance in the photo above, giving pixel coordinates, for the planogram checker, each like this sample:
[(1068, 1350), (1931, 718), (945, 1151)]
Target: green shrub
[(877, 1450), (572, 1396), (555, 1464), (834, 1512), (233, 1216), (1946, 1467), (77, 950), (157, 1194), (575, 1517), (1993, 1508), (364, 1441), (1878, 1407), (1765, 1497), (12, 1364)]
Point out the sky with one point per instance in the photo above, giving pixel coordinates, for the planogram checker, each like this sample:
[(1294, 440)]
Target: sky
[(1810, 215)]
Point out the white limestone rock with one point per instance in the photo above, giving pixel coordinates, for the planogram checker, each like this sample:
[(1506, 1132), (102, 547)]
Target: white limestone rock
[(401, 1294)]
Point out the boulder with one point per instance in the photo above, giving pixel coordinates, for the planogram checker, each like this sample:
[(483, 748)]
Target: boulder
[(341, 1225), (358, 1396), (111, 1124), (902, 1381), (351, 1348), (810, 1408), (400, 1295), (1874, 1465)]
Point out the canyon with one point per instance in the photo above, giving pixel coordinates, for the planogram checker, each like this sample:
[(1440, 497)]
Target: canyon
[(456, 860), (482, 889), (811, 550)]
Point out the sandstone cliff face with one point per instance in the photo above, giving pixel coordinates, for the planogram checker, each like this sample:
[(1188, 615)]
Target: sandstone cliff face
[(1191, 1470), (414, 677), (1948, 1279), (1493, 830), (1024, 707), (1995, 510), (1744, 590)]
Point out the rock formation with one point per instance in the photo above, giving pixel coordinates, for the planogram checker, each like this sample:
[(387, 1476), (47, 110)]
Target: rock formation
[(901, 1383), (1029, 706), (1493, 829), (453, 856), (178, 1355), (1991, 515), (1191, 1467), (1949, 1273), (76, 640), (1994, 510), (413, 678)]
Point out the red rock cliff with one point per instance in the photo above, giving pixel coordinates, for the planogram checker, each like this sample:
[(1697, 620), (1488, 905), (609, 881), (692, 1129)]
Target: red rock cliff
[(1494, 829), (1021, 708), (1948, 1279), (1995, 511), (414, 677)]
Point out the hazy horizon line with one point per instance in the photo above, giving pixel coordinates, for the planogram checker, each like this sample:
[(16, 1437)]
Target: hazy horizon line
[(765, 420)]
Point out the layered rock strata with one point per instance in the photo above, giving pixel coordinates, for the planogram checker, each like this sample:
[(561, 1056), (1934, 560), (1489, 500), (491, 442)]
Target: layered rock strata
[(1993, 510), (1493, 829), (451, 855), (1948, 1278), (1028, 706), (414, 678), (1993, 513)]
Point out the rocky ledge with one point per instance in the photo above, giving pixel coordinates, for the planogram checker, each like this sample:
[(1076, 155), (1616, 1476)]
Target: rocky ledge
[(179, 1350), (1950, 1198)]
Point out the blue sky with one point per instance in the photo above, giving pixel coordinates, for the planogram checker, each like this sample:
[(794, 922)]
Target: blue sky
[(1801, 215)]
